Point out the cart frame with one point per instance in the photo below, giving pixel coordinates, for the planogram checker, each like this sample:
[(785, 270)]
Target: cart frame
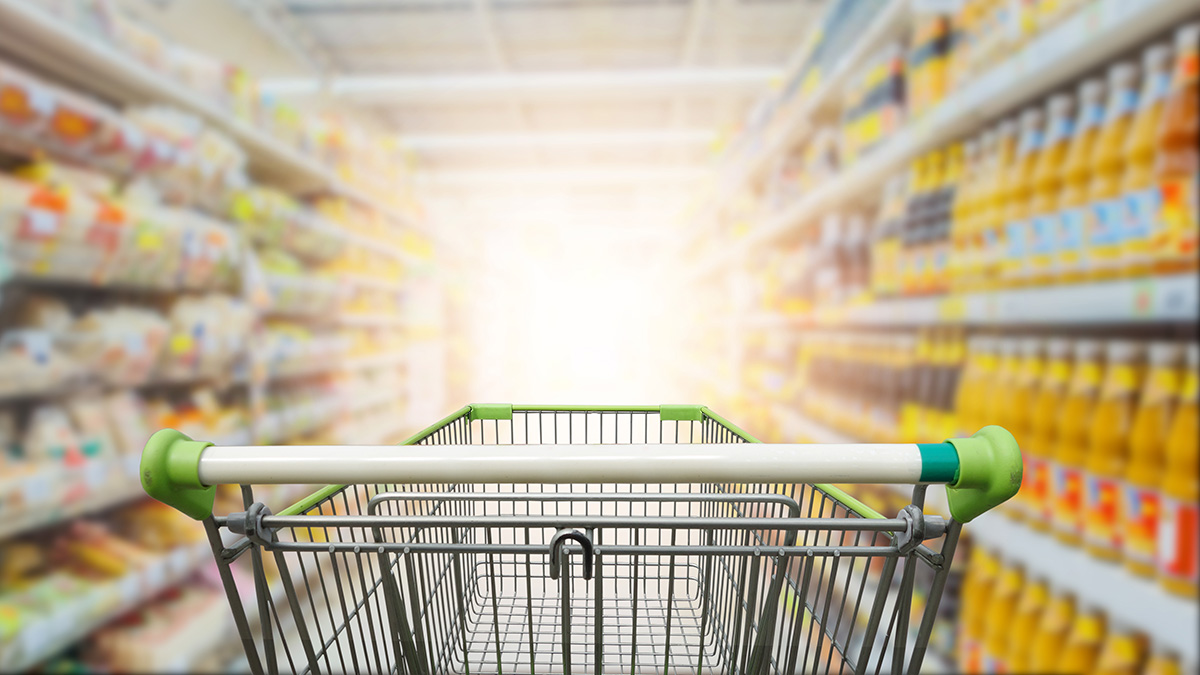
[(730, 571)]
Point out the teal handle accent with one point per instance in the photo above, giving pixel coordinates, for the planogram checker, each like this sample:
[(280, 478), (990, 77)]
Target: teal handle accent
[(989, 473), (170, 472), (939, 462)]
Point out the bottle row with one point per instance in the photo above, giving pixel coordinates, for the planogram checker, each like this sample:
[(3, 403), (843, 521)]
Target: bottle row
[(1108, 429), (1099, 181)]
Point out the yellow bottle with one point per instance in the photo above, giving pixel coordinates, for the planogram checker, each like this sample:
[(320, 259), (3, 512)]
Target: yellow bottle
[(1066, 484), (1032, 604), (1017, 194), (1122, 654), (1001, 609), (1177, 169), (1043, 432), (1046, 185), (1179, 529), (993, 206), (1163, 663), (1109, 447), (998, 407), (977, 591), (1051, 635), (1028, 374), (1144, 473), (961, 214), (1105, 227), (910, 259), (1071, 262), (1139, 190), (966, 396), (1082, 648)]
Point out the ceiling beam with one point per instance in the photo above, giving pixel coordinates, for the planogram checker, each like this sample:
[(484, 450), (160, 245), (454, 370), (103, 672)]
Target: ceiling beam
[(533, 179), (582, 139), (578, 85)]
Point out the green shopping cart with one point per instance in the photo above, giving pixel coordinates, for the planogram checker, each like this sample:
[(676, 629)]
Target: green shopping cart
[(542, 539)]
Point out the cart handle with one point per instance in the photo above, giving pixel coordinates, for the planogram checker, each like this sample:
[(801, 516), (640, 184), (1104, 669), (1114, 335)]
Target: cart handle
[(980, 472)]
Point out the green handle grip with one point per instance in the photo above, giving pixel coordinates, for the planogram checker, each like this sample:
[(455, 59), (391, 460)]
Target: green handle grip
[(989, 473), (170, 472)]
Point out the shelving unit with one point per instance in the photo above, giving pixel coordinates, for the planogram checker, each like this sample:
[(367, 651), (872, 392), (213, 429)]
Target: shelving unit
[(1132, 601), (1084, 41), (1161, 299)]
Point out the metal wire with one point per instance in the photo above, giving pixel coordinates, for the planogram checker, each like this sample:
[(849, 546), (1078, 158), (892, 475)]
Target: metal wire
[(687, 578)]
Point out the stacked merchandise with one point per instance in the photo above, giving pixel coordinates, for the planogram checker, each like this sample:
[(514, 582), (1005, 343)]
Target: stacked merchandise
[(989, 165), (149, 282)]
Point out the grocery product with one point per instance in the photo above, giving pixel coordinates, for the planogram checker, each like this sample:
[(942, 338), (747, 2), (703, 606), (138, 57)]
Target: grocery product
[(1108, 447), (1122, 654), (1105, 216), (1031, 605), (1043, 214), (1024, 383), (1082, 647), (982, 576), (1000, 613), (1050, 637), (1071, 450), (1044, 432), (1179, 529), (1072, 260), (1140, 499), (1178, 165), (994, 206), (1018, 190), (1142, 200)]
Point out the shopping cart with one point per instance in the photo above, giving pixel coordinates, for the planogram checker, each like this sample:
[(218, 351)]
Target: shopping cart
[(537, 539)]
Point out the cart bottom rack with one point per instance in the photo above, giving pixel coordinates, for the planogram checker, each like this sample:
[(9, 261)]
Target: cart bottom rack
[(617, 540)]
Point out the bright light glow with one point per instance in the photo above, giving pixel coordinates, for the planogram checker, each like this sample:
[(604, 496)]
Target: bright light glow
[(601, 139)]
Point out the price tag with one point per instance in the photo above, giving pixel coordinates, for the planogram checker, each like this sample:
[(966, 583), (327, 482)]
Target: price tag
[(1143, 298), (40, 99), (96, 473), (156, 574), (40, 223), (135, 344), (133, 465), (130, 588), (38, 488)]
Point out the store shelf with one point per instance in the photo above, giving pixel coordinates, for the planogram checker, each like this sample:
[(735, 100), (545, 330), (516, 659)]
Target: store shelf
[(39, 640), (371, 283), (1164, 299), (1130, 601), (371, 321), (83, 383), (374, 361), (1085, 41), (1137, 603)]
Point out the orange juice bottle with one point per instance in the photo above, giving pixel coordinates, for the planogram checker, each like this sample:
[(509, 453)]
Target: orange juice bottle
[(1122, 654), (1178, 164), (1043, 432), (1082, 648), (1179, 528), (1017, 196), (980, 193), (1047, 182), (976, 596), (1071, 261), (1051, 634), (1163, 663), (1066, 482), (1001, 609), (1030, 607), (1104, 222), (998, 408), (1144, 472), (1138, 186), (1109, 447), (1024, 389), (992, 205), (961, 213)]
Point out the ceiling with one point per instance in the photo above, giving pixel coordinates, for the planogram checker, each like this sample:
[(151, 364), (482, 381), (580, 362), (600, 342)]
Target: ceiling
[(511, 104)]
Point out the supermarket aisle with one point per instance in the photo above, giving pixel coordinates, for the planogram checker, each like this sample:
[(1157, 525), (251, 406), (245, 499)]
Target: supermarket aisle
[(334, 221), (988, 217)]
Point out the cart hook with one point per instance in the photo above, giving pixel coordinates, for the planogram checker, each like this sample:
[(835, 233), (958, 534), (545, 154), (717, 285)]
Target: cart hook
[(556, 544)]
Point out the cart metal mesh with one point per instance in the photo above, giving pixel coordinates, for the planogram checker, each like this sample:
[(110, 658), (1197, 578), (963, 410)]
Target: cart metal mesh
[(596, 578)]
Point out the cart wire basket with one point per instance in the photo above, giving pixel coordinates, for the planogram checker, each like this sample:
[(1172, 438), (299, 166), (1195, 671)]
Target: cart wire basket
[(541, 539)]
